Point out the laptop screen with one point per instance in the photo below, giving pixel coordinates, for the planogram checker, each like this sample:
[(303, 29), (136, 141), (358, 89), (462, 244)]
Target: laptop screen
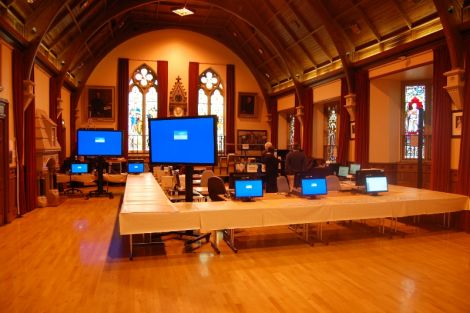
[(135, 168), (79, 168), (314, 186), (248, 188), (343, 171), (376, 184)]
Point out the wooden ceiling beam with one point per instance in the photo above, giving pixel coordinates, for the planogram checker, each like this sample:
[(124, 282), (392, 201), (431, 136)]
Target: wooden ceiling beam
[(337, 36), (305, 24), (403, 14), (284, 24), (368, 22), (450, 21)]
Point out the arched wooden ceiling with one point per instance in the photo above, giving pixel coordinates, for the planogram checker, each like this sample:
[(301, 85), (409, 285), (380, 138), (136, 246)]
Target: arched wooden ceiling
[(284, 42)]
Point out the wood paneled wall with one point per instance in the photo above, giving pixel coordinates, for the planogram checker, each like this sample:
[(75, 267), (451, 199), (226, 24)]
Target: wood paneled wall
[(12, 207)]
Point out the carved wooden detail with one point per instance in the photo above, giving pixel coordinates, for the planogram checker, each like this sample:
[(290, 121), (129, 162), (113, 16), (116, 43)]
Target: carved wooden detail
[(178, 99)]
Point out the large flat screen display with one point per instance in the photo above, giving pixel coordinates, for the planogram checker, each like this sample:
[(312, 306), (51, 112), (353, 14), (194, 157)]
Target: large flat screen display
[(313, 187), (183, 140), (95, 142)]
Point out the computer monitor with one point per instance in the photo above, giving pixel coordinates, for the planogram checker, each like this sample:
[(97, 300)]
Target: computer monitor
[(367, 172), (135, 167), (353, 168), (343, 171), (376, 184), (96, 142), (183, 140), (78, 168), (313, 187), (248, 189)]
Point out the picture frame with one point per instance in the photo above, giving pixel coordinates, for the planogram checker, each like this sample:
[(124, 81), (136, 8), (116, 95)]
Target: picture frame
[(352, 130), (251, 139), (457, 123), (247, 105), (100, 102)]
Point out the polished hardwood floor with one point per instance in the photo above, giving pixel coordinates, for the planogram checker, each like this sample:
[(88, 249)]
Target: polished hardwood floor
[(71, 259)]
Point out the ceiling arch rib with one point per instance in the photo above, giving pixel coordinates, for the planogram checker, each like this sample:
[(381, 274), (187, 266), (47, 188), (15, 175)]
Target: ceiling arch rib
[(36, 27), (336, 34), (448, 15), (110, 13), (304, 23)]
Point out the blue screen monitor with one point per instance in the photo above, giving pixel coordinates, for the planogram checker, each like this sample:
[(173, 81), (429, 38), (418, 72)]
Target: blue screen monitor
[(248, 189), (135, 168), (95, 142), (183, 140), (78, 168), (376, 184), (312, 187), (343, 171), (353, 168)]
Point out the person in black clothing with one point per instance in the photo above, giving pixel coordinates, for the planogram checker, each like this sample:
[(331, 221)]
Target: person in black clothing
[(271, 163), (296, 164)]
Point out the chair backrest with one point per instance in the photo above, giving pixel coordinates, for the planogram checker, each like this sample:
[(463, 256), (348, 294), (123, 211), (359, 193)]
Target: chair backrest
[(182, 178), (205, 177), (282, 184), (332, 183), (216, 187), (168, 182)]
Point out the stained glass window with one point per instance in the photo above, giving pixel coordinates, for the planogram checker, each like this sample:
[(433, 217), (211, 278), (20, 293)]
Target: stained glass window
[(211, 102), (143, 104), (291, 126), (332, 119), (415, 100)]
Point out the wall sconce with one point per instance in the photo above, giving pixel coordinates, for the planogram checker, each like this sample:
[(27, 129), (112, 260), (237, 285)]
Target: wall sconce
[(60, 108), (28, 93), (351, 106), (455, 86)]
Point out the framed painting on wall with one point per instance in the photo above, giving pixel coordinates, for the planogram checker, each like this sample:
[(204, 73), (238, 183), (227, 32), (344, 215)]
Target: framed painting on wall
[(252, 139), (352, 130), (457, 123), (247, 105), (100, 102)]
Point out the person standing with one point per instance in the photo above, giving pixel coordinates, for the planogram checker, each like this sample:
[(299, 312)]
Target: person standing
[(296, 163), (271, 163)]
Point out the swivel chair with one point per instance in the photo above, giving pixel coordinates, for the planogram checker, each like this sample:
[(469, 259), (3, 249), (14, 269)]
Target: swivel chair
[(282, 185), (332, 183), (205, 176), (217, 192)]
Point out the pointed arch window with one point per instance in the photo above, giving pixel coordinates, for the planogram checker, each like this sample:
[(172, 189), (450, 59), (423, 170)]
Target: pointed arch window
[(143, 104), (416, 96), (291, 130), (331, 132), (211, 101)]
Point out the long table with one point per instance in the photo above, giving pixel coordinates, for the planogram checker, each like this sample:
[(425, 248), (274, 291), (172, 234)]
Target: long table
[(146, 208)]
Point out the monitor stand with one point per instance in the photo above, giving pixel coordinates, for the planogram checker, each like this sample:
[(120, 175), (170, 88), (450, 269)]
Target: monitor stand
[(248, 199), (100, 192)]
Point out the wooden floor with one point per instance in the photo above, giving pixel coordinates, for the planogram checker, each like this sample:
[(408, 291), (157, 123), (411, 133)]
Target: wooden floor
[(71, 259)]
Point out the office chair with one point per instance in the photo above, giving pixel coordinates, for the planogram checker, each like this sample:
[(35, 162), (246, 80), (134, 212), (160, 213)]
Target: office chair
[(217, 191), (216, 188), (205, 176), (282, 185), (72, 190), (332, 183)]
